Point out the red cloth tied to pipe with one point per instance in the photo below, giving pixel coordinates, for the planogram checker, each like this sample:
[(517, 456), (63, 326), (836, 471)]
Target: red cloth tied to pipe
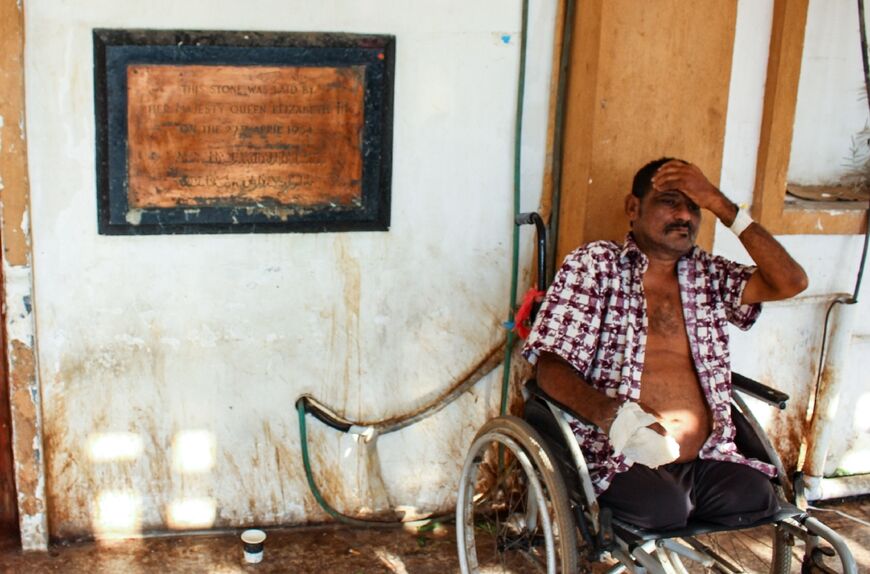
[(522, 323)]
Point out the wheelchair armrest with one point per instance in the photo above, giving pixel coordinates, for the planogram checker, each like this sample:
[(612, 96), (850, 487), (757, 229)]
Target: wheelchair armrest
[(758, 390), (536, 391)]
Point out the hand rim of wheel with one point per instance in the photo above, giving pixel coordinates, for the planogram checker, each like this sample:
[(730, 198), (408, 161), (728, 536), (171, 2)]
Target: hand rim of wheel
[(465, 532)]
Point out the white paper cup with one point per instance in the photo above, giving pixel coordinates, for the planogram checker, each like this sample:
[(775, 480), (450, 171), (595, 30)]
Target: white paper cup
[(253, 544)]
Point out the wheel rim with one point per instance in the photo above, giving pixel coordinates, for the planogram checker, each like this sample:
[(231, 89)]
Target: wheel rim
[(500, 523)]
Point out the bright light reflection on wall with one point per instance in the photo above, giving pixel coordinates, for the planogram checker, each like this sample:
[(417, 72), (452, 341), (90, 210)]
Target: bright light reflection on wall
[(862, 423), (192, 513), (113, 446), (193, 451), (856, 461), (119, 514)]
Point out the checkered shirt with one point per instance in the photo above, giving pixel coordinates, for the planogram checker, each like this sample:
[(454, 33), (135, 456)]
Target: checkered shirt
[(594, 317)]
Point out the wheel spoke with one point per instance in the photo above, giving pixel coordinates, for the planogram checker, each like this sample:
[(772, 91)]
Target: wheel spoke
[(512, 509)]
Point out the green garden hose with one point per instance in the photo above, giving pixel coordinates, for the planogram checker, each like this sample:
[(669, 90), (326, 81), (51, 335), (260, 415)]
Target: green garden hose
[(515, 256), (304, 402)]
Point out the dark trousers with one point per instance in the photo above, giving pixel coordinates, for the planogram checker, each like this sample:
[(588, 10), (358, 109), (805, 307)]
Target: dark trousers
[(667, 497)]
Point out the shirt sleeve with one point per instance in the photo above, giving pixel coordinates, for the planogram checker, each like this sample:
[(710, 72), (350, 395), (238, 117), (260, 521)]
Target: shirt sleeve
[(732, 278), (569, 320)]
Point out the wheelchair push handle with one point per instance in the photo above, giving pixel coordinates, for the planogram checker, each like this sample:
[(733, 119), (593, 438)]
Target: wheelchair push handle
[(532, 217)]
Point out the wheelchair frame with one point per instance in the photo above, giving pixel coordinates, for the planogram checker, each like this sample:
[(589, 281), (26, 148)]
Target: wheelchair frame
[(636, 550)]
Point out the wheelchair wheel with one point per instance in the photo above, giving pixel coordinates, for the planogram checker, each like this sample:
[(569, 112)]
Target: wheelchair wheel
[(512, 510)]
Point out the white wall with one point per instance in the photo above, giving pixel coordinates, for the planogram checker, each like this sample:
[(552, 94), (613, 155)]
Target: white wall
[(832, 100), (189, 351), (783, 348), (170, 364)]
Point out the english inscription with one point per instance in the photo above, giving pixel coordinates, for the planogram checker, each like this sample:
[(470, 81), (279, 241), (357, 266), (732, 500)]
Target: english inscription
[(262, 136)]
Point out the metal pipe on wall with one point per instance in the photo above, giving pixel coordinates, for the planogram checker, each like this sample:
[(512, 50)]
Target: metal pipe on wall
[(834, 378)]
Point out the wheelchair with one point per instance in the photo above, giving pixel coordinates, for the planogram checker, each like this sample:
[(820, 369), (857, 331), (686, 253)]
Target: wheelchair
[(526, 502)]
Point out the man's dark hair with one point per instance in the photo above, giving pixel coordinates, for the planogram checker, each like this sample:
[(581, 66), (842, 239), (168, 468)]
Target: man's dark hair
[(642, 179)]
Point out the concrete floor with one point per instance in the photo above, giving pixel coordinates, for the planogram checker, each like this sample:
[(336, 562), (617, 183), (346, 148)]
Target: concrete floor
[(338, 550)]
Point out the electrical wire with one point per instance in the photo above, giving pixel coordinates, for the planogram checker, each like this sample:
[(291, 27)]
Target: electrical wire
[(515, 253), (865, 59), (863, 29), (558, 143), (843, 300)]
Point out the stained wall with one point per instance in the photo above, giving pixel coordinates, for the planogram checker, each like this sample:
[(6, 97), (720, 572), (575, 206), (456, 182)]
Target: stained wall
[(783, 348), (670, 79), (169, 365)]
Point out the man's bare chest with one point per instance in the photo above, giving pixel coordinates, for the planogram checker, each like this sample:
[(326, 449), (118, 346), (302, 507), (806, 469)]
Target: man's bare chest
[(664, 311)]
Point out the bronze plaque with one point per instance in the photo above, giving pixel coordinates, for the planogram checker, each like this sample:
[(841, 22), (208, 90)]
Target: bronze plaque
[(217, 135), (214, 132)]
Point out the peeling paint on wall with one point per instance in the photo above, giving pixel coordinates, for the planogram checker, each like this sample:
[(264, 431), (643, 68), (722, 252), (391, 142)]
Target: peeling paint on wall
[(25, 406), (21, 355)]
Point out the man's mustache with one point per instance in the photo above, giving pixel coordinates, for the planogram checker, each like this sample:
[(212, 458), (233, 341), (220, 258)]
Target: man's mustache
[(679, 225)]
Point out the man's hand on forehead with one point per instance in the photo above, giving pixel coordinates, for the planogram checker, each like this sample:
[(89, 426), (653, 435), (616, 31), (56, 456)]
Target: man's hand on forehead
[(691, 181)]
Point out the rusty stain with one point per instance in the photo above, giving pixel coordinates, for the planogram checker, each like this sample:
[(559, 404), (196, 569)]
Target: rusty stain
[(328, 477), (804, 440), (287, 471), (787, 430), (788, 435), (8, 494), (74, 482), (333, 482), (58, 461), (521, 371), (484, 366), (277, 496), (812, 372), (471, 420), (22, 374), (351, 290), (829, 375), (492, 312)]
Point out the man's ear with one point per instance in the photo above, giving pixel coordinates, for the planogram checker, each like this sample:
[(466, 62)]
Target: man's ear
[(632, 206)]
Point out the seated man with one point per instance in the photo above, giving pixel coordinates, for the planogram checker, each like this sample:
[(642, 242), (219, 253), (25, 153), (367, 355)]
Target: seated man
[(646, 322)]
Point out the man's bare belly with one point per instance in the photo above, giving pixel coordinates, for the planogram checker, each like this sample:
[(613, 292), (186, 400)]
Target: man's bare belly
[(669, 385)]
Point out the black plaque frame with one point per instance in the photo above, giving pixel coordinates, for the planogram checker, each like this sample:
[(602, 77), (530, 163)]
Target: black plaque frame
[(115, 49)]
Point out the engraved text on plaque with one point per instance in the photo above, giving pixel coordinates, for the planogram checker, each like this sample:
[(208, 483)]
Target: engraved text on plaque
[(242, 132)]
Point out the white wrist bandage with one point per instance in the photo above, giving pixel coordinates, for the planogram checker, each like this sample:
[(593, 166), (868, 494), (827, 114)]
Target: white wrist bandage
[(741, 221), (630, 436)]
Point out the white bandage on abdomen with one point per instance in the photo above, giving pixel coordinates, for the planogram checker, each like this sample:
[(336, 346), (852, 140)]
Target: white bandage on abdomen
[(631, 437)]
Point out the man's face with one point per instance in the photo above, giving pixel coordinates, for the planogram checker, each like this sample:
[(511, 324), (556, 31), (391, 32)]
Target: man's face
[(664, 221)]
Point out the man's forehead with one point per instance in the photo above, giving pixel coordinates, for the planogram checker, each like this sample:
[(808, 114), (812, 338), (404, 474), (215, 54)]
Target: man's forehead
[(655, 193)]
